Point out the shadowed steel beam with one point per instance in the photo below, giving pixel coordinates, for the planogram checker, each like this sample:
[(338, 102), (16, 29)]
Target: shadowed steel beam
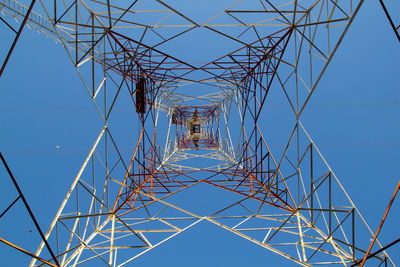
[(28, 209), (17, 37), (390, 20)]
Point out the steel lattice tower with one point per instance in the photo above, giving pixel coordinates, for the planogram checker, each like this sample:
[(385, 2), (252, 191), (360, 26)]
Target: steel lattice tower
[(201, 122)]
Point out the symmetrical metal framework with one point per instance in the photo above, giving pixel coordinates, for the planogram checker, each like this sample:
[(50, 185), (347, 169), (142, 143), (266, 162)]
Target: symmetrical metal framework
[(201, 121)]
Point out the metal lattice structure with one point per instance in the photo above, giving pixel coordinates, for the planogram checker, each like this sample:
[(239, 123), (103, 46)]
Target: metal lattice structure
[(201, 122)]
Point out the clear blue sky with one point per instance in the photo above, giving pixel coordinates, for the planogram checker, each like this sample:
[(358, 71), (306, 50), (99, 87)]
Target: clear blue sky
[(353, 118)]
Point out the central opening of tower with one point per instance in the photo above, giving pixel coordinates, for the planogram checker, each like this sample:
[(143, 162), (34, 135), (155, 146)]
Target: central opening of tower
[(198, 149), (198, 137), (195, 128)]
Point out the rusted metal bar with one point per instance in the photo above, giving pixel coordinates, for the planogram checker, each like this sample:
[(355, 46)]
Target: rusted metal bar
[(380, 225), (27, 252), (377, 252)]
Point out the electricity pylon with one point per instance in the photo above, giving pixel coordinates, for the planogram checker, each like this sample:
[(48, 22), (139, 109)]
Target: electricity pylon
[(201, 123)]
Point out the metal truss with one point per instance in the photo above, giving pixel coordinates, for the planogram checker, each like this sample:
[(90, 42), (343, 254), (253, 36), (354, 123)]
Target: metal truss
[(201, 123)]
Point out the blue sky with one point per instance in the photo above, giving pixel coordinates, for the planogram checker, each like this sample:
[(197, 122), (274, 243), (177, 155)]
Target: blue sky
[(353, 118)]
